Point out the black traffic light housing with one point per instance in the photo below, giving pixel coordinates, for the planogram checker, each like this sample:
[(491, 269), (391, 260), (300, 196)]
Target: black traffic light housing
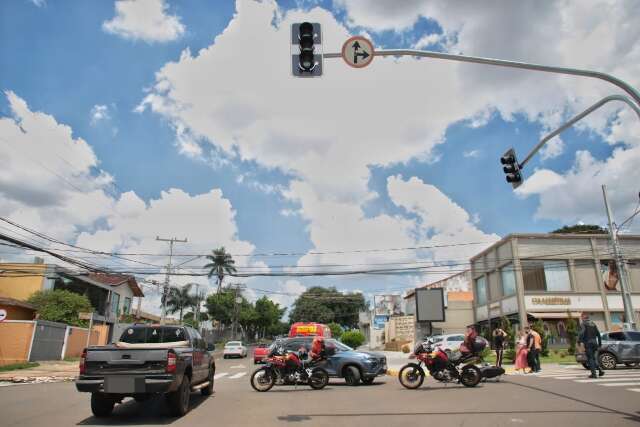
[(306, 49), (511, 168)]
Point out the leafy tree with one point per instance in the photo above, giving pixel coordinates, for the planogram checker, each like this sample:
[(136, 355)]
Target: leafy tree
[(220, 306), (189, 319), (61, 306), (221, 264), (179, 298), (580, 228), (269, 314), (353, 339), (336, 330), (572, 333), (326, 305)]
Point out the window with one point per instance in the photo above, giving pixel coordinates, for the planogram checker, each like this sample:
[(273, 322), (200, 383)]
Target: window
[(508, 280), (634, 336), (481, 290), (115, 303), (456, 338), (126, 308), (617, 336), (551, 276), (150, 335)]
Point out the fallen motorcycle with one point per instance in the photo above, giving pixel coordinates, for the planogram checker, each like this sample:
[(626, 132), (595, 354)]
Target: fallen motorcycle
[(455, 369), (289, 368)]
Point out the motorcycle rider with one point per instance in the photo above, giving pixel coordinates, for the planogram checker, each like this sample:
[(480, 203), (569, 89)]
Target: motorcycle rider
[(467, 346)]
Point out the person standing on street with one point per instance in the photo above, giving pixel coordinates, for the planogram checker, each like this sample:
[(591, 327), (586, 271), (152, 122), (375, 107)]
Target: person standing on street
[(532, 347), (499, 336), (591, 339), (521, 353)]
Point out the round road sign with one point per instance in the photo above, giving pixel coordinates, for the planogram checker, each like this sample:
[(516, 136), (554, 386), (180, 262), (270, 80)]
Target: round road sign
[(357, 52), (3, 314)]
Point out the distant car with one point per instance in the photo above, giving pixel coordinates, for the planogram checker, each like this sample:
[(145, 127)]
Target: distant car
[(617, 348), (259, 353), (234, 349), (449, 343), (354, 366)]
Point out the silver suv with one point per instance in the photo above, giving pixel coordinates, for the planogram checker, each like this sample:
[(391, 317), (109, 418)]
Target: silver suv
[(617, 348)]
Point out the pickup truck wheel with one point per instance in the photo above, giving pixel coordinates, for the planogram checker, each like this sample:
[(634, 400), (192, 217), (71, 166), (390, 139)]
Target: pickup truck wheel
[(179, 399), (368, 381), (352, 375), (101, 406), (208, 390)]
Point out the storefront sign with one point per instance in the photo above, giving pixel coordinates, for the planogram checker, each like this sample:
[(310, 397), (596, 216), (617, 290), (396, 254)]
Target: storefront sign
[(551, 301)]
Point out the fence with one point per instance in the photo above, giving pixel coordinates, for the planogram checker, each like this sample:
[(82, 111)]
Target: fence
[(28, 340)]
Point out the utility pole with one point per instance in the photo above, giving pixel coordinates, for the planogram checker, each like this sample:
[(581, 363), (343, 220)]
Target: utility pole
[(165, 290), (629, 314), (196, 314), (237, 299)]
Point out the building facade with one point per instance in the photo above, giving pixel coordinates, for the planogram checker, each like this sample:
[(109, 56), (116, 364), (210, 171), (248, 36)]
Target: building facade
[(549, 277)]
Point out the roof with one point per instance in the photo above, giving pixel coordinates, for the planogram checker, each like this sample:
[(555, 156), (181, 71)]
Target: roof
[(16, 303), (116, 280), (556, 236)]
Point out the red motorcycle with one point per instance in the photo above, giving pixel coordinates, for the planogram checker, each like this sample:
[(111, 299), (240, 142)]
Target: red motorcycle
[(289, 368), (441, 367)]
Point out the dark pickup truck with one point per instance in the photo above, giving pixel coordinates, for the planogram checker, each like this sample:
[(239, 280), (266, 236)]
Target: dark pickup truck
[(147, 360)]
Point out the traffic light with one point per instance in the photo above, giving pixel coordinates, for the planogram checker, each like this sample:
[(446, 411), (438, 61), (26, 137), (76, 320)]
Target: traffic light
[(306, 49), (511, 168)]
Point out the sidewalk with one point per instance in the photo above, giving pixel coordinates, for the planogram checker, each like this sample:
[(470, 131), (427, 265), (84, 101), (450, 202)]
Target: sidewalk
[(47, 372)]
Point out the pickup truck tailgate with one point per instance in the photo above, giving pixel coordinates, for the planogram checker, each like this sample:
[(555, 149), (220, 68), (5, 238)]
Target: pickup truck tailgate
[(113, 360)]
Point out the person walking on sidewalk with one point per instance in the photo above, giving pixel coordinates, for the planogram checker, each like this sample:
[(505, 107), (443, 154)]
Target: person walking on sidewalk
[(591, 339), (498, 342)]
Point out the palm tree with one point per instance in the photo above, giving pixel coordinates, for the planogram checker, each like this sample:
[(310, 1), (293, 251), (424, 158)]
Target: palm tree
[(221, 263), (178, 299)]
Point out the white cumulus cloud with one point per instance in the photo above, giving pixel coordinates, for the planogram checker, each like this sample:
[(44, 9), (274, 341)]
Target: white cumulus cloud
[(146, 20)]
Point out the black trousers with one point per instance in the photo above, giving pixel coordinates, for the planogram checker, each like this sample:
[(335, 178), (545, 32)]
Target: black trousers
[(499, 354)]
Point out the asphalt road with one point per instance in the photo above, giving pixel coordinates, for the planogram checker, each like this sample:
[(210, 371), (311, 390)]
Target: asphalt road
[(555, 400)]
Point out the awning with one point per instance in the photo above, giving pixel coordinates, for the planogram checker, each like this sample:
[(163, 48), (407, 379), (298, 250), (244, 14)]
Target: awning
[(557, 315)]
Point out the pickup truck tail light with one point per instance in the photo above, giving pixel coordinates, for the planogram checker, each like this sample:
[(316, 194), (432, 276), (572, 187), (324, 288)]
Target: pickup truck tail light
[(83, 362), (171, 362)]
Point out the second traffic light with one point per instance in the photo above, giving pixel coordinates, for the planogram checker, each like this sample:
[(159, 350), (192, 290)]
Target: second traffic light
[(511, 168), (306, 49)]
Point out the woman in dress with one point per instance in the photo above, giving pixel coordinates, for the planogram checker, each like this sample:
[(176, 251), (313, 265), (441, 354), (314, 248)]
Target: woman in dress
[(521, 353)]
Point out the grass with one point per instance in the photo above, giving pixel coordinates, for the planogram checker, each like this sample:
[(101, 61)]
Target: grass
[(555, 356), (17, 366)]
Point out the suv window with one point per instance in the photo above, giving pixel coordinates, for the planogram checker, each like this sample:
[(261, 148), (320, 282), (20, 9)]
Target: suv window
[(605, 337), (617, 336), (634, 336), (456, 338), (293, 345)]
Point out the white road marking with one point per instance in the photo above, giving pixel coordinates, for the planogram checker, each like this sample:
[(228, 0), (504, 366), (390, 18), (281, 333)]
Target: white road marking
[(598, 380), (220, 375), (620, 384), (238, 375), (237, 367), (637, 390)]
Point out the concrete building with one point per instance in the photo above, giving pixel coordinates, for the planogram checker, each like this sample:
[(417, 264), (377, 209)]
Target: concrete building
[(550, 277)]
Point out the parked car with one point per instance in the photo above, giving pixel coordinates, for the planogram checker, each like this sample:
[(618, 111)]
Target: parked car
[(147, 360), (619, 347), (259, 353), (343, 361), (449, 343), (234, 349)]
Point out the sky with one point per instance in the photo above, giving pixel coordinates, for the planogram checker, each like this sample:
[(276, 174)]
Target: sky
[(122, 121)]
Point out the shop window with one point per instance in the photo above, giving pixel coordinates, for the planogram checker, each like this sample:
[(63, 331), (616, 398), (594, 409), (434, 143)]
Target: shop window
[(481, 290), (542, 275), (507, 274)]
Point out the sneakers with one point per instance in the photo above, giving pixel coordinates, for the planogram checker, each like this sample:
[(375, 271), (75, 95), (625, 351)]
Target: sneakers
[(593, 376), (601, 373)]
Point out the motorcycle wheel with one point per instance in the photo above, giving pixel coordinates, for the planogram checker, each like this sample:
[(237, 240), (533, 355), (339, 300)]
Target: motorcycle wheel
[(411, 376), (262, 380), (470, 376), (319, 379)]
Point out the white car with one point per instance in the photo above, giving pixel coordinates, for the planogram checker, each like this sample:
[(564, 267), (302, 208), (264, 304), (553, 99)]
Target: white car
[(234, 349), (449, 343)]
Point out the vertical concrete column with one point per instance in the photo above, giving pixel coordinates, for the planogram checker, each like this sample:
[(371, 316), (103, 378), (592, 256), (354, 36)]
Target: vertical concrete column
[(572, 275), (517, 267)]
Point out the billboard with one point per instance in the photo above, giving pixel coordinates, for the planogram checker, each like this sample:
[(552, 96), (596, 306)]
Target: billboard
[(379, 321), (387, 305), (430, 305)]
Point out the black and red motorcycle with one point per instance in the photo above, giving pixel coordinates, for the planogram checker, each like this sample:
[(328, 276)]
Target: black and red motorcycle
[(289, 368), (456, 369)]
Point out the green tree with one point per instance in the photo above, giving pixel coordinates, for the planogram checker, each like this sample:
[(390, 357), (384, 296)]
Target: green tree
[(269, 314), (61, 306), (580, 229), (572, 333), (220, 306), (179, 299), (221, 264), (353, 339), (326, 305), (336, 330)]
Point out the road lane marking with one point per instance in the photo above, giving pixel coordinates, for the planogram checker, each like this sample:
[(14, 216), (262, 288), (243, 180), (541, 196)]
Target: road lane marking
[(597, 380), (220, 375), (238, 375), (637, 390), (620, 384)]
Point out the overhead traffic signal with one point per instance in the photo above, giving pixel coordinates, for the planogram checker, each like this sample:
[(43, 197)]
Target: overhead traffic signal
[(306, 49), (511, 168)]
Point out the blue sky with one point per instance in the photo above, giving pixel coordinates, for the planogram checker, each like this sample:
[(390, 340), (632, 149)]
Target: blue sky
[(215, 130)]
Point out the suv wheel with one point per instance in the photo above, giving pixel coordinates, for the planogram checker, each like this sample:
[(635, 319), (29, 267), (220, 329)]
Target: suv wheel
[(101, 406), (352, 375), (607, 361)]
